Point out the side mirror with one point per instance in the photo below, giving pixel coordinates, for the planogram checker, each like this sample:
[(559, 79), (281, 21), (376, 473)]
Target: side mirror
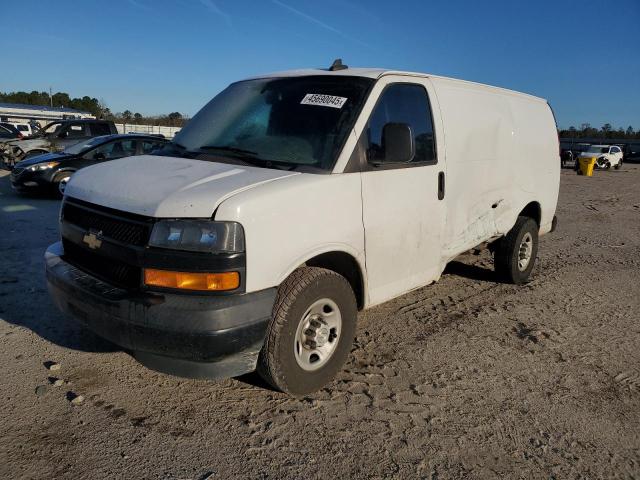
[(397, 143), (99, 156)]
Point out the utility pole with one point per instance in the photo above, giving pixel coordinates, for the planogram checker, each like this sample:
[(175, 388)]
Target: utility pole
[(50, 98)]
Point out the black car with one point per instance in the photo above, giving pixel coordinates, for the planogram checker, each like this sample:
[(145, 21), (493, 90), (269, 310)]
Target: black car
[(9, 132), (632, 152), (51, 171)]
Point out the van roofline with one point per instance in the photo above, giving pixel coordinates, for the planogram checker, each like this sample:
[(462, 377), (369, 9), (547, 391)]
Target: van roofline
[(377, 73)]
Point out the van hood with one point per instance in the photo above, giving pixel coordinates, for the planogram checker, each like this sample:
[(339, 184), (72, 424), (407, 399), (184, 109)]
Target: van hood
[(166, 187)]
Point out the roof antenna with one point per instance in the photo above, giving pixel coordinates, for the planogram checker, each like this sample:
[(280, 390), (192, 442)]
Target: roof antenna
[(337, 65)]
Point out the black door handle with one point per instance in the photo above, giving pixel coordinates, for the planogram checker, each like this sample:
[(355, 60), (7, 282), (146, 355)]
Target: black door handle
[(440, 185)]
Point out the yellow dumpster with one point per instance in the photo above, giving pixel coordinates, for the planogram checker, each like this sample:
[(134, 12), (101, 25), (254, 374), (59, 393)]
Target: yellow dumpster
[(586, 166)]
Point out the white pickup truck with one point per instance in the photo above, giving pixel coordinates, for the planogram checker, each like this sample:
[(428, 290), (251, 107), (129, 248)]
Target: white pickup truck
[(292, 201)]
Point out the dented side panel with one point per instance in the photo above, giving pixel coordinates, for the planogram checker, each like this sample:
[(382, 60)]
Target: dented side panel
[(501, 155)]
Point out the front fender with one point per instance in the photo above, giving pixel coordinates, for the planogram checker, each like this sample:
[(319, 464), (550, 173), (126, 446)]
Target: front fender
[(292, 219)]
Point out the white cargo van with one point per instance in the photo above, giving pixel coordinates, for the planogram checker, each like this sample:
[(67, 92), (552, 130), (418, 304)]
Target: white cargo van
[(292, 201)]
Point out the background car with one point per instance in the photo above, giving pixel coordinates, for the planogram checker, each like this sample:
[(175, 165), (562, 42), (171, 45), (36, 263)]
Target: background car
[(9, 132), (55, 137), (51, 171), (606, 156), (632, 152), (24, 129), (566, 154), (569, 152)]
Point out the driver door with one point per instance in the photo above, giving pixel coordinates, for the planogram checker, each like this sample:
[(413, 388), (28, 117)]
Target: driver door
[(402, 202)]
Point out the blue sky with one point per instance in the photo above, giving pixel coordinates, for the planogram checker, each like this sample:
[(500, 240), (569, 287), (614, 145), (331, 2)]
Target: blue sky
[(158, 56)]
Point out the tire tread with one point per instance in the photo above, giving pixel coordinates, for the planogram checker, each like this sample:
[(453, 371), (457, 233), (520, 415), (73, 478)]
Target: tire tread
[(289, 290), (504, 257)]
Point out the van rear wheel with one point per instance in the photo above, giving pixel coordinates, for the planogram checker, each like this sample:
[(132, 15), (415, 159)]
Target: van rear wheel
[(311, 331), (516, 252)]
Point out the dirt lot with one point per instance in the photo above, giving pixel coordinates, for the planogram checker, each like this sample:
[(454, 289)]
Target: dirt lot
[(468, 378)]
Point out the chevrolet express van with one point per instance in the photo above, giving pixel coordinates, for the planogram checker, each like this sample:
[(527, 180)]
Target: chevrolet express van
[(292, 201)]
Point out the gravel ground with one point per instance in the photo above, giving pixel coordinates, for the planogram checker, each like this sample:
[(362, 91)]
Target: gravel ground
[(468, 378)]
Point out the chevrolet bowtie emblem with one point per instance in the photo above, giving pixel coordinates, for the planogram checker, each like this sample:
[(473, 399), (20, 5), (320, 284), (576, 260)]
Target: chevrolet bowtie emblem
[(92, 240)]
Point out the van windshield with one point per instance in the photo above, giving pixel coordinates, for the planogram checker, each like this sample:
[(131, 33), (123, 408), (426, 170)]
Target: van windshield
[(277, 122)]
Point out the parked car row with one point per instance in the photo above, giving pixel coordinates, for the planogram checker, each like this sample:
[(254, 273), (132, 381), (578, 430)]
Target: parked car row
[(54, 137), (606, 156)]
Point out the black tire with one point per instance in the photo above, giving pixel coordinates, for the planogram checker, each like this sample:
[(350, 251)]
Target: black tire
[(618, 165), (507, 252), (277, 363)]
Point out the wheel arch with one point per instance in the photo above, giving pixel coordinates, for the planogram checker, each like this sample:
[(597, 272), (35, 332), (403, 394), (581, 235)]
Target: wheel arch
[(532, 210), (65, 170), (343, 263)]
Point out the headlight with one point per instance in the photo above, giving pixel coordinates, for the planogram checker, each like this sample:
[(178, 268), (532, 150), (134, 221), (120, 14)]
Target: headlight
[(198, 236), (43, 166)]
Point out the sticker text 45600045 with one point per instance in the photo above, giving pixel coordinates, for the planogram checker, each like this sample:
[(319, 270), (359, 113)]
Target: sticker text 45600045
[(323, 100)]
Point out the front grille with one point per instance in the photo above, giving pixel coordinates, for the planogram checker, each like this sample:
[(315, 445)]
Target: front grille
[(125, 228), (132, 231), (17, 170), (108, 269)]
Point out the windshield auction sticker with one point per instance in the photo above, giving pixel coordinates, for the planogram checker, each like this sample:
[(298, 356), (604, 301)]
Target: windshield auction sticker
[(323, 100)]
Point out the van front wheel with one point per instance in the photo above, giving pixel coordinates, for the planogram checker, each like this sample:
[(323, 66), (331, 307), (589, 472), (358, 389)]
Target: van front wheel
[(311, 331), (516, 252)]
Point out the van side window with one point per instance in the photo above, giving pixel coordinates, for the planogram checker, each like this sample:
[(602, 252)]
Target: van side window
[(407, 104)]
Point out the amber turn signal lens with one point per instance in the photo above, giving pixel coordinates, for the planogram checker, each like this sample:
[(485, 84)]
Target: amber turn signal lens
[(191, 281)]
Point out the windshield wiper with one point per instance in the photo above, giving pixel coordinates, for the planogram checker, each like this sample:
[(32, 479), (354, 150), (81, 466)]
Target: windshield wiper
[(248, 157), (245, 156), (229, 148)]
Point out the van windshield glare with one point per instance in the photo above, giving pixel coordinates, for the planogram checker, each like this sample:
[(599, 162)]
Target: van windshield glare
[(294, 121)]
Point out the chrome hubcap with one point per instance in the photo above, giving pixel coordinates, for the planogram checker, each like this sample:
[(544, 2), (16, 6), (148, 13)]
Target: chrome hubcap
[(317, 334), (525, 251)]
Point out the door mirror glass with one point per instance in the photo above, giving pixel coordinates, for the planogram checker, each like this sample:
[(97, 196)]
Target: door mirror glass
[(397, 143)]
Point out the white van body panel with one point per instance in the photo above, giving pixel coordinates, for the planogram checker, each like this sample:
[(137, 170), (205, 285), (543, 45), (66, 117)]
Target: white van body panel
[(179, 187), (502, 153), (294, 219), (402, 216)]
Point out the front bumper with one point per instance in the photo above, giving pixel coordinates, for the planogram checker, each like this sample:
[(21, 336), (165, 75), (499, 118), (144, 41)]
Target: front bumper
[(26, 180), (188, 335)]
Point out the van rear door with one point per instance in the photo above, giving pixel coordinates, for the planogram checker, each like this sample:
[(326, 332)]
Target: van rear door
[(403, 207)]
